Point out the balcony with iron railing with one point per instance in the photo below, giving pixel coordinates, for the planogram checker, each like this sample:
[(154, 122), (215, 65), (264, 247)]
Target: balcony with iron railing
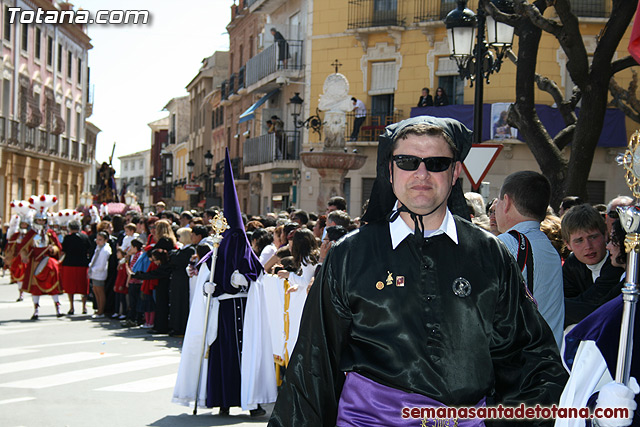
[(37, 141), (436, 10), (271, 151), (378, 13), (241, 78), (278, 59), (373, 125)]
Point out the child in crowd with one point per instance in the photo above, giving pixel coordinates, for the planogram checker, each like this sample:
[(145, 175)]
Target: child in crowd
[(98, 269), (121, 285), (305, 253), (129, 235), (134, 314), (158, 318)]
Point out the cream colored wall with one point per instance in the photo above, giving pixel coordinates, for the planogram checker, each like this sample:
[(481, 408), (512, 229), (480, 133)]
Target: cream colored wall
[(331, 40)]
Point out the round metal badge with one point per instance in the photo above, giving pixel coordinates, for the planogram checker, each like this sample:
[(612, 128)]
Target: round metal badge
[(461, 287)]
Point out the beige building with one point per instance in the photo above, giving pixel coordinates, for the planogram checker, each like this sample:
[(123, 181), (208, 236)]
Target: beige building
[(134, 173), (44, 104), (210, 76), (267, 68), (175, 151), (390, 50)]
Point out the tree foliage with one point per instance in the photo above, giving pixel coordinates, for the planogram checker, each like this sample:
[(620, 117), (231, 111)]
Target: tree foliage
[(567, 177)]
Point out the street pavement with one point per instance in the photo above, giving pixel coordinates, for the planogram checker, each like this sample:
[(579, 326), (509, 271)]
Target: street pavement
[(77, 372)]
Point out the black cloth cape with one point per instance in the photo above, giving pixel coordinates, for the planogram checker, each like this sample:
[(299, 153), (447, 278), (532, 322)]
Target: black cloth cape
[(420, 337)]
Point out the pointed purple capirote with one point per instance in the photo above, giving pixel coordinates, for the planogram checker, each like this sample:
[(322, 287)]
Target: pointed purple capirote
[(235, 252)]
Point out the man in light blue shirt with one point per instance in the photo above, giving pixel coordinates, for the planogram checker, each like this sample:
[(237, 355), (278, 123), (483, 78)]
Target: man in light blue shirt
[(522, 206)]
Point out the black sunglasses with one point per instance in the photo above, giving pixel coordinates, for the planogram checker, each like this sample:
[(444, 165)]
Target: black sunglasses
[(433, 164)]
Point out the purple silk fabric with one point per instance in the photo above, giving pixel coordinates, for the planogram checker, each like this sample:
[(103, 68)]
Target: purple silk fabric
[(365, 403)]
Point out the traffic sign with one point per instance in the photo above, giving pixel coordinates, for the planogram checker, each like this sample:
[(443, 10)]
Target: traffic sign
[(479, 162)]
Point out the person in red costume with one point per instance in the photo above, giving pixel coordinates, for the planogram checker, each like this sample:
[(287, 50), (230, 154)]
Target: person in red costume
[(40, 250), (18, 227)]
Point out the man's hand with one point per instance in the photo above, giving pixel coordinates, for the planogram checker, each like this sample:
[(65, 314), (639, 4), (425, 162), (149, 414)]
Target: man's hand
[(615, 395)]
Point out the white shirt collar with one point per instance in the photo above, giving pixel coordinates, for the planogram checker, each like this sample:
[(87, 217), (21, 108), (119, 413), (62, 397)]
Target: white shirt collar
[(400, 230)]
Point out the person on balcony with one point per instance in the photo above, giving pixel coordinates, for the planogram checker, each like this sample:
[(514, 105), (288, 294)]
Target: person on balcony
[(278, 129), (425, 100), (283, 48), (360, 115)]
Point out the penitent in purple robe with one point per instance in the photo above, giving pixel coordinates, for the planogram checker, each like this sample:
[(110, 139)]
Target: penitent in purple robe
[(234, 253)]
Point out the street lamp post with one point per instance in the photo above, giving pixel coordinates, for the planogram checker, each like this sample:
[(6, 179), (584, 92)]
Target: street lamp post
[(478, 62), (168, 177), (190, 166), (208, 161)]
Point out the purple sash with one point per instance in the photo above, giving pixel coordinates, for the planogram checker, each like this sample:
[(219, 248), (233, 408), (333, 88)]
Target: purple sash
[(365, 403)]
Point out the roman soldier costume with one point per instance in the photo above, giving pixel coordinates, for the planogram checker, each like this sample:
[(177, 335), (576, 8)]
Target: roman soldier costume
[(40, 249), (18, 227)]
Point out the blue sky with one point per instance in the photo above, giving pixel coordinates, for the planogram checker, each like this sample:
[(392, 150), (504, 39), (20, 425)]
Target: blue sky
[(137, 69)]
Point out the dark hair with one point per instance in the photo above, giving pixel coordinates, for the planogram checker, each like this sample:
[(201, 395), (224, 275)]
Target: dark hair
[(335, 232), (339, 218), (186, 214), (420, 129), (136, 244), (571, 201), (200, 230), (288, 228), (74, 225), (117, 221), (210, 212), (104, 235), (287, 265), (304, 247), (322, 221), (353, 98), (303, 216), (339, 202), (530, 192), (426, 88), (202, 250), (262, 238), (582, 217), (160, 255), (618, 237)]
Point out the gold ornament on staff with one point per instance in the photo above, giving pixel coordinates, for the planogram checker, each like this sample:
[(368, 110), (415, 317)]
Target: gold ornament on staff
[(630, 221), (219, 225)]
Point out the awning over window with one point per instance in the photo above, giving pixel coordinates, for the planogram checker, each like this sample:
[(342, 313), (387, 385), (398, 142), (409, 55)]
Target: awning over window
[(249, 114)]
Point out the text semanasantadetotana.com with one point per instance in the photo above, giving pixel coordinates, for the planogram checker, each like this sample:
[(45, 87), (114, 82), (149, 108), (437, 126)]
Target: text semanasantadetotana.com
[(508, 412)]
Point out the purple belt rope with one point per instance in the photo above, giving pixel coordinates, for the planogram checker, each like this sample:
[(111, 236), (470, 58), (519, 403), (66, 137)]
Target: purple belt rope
[(365, 403)]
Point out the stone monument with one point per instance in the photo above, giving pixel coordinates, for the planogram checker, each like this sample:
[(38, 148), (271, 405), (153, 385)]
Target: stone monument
[(333, 162)]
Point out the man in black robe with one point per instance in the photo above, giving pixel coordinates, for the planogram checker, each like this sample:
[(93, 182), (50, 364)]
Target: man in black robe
[(418, 308)]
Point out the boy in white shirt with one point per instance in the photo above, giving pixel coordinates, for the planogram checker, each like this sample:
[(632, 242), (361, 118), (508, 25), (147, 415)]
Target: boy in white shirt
[(130, 234)]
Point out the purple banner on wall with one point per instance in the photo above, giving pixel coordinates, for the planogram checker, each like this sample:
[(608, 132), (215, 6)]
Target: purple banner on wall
[(614, 132)]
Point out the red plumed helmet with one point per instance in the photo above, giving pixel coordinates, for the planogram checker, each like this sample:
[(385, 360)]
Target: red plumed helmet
[(42, 198), (31, 200), (55, 199)]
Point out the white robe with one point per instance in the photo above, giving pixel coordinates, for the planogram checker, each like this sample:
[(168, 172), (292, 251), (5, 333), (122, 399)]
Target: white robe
[(257, 370), (258, 383), (588, 374), (184, 391)]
